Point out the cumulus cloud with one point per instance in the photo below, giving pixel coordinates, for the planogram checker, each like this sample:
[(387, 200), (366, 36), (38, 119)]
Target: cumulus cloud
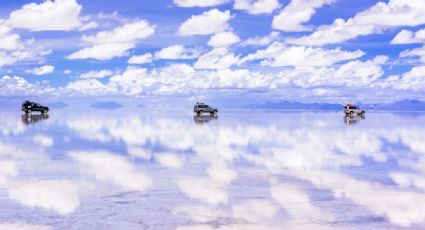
[(102, 52), (411, 80), (223, 39), (417, 52), (17, 86), (197, 3), (96, 74), (278, 55), (409, 37), (209, 22), (140, 59), (218, 58), (106, 45), (48, 15), (257, 6), (177, 52), (260, 41), (60, 196), (112, 168), (13, 49), (43, 140), (43, 70), (351, 74), (298, 12), (376, 19)]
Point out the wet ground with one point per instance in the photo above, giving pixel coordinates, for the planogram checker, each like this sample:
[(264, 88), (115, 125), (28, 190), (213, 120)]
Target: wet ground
[(241, 170)]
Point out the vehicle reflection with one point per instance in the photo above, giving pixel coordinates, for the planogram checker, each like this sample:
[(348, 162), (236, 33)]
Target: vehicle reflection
[(29, 119), (353, 119), (286, 169), (202, 119)]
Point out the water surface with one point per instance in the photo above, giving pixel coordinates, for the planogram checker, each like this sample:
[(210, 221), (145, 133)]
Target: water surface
[(241, 170)]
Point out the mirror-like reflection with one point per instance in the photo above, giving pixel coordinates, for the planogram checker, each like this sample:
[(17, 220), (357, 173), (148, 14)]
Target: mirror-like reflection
[(202, 118), (29, 118), (257, 170), (353, 119)]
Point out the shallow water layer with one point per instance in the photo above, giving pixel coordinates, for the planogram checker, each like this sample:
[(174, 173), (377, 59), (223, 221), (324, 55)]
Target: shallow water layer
[(241, 170)]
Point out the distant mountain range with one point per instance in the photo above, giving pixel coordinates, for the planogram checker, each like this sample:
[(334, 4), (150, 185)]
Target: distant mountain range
[(288, 105), (110, 105), (405, 105), (58, 105)]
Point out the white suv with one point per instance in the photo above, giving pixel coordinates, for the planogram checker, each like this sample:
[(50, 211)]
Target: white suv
[(352, 109), (200, 108)]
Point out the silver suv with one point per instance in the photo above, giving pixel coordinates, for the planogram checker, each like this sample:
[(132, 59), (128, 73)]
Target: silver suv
[(200, 108), (353, 109)]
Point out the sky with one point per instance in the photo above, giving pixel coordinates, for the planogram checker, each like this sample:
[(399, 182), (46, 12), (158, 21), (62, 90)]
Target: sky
[(240, 50)]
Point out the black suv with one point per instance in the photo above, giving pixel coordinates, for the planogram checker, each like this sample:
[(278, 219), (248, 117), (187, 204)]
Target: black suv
[(28, 107)]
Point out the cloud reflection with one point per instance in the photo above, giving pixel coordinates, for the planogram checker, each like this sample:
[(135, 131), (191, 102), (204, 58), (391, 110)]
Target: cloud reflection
[(260, 170)]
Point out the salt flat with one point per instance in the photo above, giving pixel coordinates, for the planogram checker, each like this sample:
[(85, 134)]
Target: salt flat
[(142, 169)]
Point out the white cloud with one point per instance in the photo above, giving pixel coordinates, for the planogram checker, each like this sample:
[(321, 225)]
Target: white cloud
[(17, 86), (43, 140), (87, 87), (177, 52), (376, 19), (257, 6), (8, 40), (255, 210), (60, 196), (170, 160), (203, 189), (409, 37), (106, 45), (96, 74), (197, 3), (210, 22), (112, 168), (218, 58), (260, 41), (43, 70), (223, 39), (411, 80), (48, 15), (103, 52), (417, 52), (352, 74), (128, 33), (278, 55), (140, 59), (67, 71), (13, 49), (298, 12)]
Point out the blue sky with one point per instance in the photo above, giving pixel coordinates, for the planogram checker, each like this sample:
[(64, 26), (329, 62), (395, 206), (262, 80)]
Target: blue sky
[(264, 50)]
